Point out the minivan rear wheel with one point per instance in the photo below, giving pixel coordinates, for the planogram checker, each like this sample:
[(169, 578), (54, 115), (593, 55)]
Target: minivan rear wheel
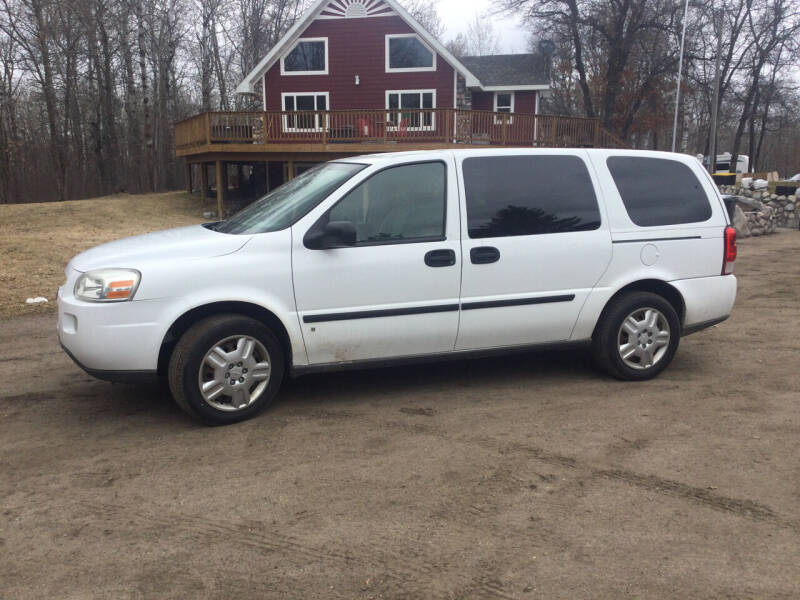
[(637, 336), (225, 369)]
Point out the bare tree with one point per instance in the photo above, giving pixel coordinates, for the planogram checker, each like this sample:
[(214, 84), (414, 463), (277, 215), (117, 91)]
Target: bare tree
[(426, 14), (621, 52), (8, 130), (773, 25), (458, 45), (90, 89), (32, 26), (481, 38)]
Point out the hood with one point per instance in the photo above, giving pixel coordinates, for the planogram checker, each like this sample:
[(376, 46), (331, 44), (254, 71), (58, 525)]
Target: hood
[(194, 241)]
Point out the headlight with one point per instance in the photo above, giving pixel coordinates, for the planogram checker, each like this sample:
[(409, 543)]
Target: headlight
[(107, 285)]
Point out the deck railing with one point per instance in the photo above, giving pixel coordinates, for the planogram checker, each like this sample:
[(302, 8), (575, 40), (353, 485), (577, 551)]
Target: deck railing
[(387, 126)]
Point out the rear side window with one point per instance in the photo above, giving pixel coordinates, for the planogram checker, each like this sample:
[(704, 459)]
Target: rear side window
[(528, 195), (658, 191)]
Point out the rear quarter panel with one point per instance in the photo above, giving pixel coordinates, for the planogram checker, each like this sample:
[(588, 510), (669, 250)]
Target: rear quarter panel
[(665, 253)]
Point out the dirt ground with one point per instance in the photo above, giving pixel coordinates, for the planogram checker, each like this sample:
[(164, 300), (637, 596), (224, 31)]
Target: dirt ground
[(38, 240), (524, 477)]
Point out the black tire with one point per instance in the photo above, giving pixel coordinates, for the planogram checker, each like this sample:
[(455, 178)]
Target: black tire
[(189, 352), (605, 342)]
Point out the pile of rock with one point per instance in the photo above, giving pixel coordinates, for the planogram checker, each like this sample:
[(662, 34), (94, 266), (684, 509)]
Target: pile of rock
[(762, 212)]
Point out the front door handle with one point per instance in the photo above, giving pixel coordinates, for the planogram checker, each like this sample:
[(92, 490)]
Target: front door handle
[(484, 254), (440, 258)]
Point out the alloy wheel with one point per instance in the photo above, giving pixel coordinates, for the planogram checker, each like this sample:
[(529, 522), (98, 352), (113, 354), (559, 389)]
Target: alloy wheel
[(234, 373), (643, 338)]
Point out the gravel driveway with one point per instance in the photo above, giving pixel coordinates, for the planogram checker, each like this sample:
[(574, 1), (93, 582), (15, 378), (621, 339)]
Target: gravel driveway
[(525, 477)]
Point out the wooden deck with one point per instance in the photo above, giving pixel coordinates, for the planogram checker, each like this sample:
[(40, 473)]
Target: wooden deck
[(322, 135), (220, 139)]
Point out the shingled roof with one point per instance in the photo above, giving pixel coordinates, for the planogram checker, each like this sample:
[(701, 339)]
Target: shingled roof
[(508, 69)]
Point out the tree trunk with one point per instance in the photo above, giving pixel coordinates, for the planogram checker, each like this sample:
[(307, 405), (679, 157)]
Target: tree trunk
[(205, 57), (110, 136), (51, 103), (146, 150), (132, 165), (583, 82), (223, 88)]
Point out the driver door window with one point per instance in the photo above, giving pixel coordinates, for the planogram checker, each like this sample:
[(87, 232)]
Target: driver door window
[(397, 205)]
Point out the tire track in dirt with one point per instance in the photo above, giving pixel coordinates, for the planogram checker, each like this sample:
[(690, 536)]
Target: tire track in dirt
[(27, 397), (408, 570), (740, 507)]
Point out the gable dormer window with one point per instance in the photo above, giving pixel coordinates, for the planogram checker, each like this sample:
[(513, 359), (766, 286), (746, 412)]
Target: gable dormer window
[(308, 56), (406, 52)]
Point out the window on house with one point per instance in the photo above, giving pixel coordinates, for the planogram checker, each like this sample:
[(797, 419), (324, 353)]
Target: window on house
[(408, 53), (528, 195), (406, 109), (503, 103), (309, 56), (307, 106)]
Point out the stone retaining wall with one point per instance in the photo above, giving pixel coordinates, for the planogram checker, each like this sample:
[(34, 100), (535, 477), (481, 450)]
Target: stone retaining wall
[(759, 212)]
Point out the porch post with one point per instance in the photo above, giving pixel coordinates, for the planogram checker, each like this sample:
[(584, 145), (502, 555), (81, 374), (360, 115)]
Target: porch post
[(220, 189), (188, 177), (203, 182), (290, 169)]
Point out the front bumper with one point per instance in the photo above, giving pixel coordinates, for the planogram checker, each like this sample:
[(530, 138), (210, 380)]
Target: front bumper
[(115, 341), (115, 376)]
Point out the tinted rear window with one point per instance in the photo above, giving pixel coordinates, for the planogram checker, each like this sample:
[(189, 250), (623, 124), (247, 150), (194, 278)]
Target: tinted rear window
[(528, 195), (658, 191)]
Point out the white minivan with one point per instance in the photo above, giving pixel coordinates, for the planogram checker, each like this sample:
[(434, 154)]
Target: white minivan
[(408, 256)]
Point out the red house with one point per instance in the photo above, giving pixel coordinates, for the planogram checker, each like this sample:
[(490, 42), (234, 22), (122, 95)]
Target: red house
[(371, 54), (360, 76)]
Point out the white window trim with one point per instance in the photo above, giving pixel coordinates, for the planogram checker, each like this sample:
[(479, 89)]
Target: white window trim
[(497, 119), (293, 46), (515, 88), (422, 127), (391, 36), (317, 125)]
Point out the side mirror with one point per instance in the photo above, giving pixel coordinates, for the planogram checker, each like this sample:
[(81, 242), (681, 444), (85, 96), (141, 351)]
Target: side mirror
[(336, 234)]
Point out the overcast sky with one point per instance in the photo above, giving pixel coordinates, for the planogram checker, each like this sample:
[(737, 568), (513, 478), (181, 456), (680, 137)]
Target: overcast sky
[(457, 14)]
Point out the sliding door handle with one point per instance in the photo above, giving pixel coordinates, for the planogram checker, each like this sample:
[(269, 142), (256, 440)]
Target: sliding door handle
[(483, 255), (440, 258)]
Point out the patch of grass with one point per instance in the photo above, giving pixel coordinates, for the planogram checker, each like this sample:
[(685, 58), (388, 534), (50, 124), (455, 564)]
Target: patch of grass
[(38, 240)]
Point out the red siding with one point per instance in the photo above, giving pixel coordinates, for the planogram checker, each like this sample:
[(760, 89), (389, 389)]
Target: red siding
[(524, 101), (357, 47)]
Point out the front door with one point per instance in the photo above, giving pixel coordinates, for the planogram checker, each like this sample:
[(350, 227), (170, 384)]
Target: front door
[(395, 292), (534, 246)]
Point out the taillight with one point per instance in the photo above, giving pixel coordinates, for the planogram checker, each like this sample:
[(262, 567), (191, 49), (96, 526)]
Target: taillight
[(729, 256)]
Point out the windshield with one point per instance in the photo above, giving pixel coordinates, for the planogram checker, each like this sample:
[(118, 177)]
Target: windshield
[(286, 204)]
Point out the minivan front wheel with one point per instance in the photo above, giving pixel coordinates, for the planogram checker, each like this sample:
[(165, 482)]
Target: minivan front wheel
[(225, 369), (637, 336)]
